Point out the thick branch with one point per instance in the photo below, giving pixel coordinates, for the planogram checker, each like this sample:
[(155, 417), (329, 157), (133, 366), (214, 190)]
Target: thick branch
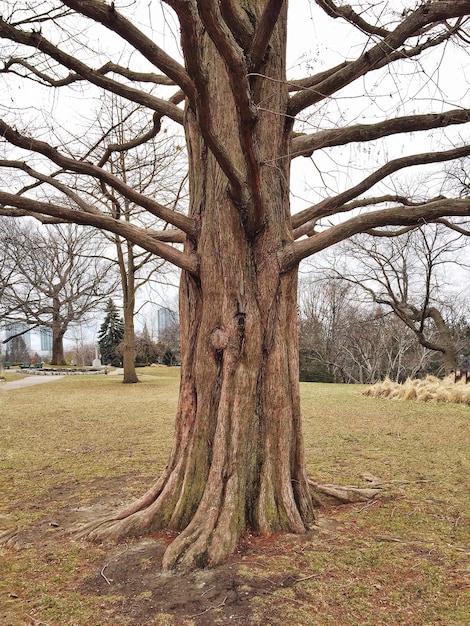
[(237, 20), (388, 234), (137, 235), (190, 27), (332, 205), (427, 13), (234, 59), (308, 229), (141, 77), (37, 41), (171, 235), (402, 216), (305, 145), (108, 16), (43, 219), (168, 215), (236, 64), (263, 32)]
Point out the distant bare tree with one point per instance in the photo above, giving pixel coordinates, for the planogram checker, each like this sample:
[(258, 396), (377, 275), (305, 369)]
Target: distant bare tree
[(56, 277), (354, 341), (411, 275), (150, 167)]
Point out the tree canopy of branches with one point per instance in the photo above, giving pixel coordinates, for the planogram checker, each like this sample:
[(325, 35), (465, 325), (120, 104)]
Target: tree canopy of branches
[(238, 459), (54, 277)]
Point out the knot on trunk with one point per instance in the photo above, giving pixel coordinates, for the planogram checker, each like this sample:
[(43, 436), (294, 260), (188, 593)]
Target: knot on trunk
[(218, 339)]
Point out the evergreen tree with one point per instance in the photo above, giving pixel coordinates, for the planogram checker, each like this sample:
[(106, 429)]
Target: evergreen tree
[(17, 350), (110, 336)]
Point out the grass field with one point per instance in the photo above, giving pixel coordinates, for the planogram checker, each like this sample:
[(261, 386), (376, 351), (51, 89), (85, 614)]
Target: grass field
[(83, 445)]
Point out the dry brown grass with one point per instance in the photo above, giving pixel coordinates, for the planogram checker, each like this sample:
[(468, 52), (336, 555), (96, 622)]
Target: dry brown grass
[(80, 444), (429, 389)]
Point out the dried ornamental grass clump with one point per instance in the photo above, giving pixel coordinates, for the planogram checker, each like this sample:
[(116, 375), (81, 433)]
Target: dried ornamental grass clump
[(429, 389)]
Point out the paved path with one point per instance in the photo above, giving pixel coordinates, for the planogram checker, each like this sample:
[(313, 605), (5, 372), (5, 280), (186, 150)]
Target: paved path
[(28, 382)]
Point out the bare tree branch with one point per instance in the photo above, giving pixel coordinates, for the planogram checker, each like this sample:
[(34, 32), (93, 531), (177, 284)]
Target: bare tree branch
[(310, 82), (238, 22), (457, 227), (114, 21), (136, 234), (391, 233), (142, 77), (396, 216), (337, 203), (235, 61), (347, 13), (264, 31), (37, 41), (87, 208), (305, 145), (168, 215), (190, 24), (427, 13)]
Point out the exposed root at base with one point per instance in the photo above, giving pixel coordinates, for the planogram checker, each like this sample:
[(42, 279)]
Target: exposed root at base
[(115, 528), (98, 531), (7, 536), (327, 495)]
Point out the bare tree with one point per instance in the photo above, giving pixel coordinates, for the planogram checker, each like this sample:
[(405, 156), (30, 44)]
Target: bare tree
[(355, 341), (410, 275), (148, 167), (238, 458), (57, 278)]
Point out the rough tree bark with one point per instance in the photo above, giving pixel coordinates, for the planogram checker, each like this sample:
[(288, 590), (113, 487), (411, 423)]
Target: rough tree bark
[(238, 459)]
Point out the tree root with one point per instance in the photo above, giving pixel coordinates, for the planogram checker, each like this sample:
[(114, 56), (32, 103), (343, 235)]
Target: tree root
[(328, 495), (116, 528), (7, 537)]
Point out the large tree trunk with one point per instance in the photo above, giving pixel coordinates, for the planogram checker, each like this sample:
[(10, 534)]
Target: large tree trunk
[(445, 340), (237, 461), (58, 357)]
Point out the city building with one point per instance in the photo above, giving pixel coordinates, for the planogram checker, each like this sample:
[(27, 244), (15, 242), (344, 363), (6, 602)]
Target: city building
[(166, 319), (37, 340)]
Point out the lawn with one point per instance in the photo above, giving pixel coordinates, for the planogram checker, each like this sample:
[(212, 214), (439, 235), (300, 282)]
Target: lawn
[(85, 445)]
